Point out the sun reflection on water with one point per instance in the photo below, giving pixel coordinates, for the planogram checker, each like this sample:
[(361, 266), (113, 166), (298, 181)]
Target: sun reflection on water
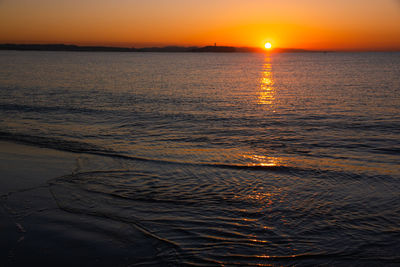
[(258, 160), (267, 91)]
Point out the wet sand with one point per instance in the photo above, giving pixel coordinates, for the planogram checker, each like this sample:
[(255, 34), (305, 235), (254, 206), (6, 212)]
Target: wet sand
[(34, 230)]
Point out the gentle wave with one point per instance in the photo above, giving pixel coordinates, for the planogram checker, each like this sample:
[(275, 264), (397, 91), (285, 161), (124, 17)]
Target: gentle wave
[(211, 219), (82, 147), (48, 109), (53, 143)]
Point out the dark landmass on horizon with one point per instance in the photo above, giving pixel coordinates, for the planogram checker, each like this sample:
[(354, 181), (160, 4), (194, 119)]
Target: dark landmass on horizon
[(173, 49)]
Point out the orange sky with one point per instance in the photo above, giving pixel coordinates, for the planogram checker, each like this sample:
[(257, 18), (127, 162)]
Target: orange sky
[(307, 24)]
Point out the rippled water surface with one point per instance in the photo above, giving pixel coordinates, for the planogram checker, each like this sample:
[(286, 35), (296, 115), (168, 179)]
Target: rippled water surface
[(223, 158)]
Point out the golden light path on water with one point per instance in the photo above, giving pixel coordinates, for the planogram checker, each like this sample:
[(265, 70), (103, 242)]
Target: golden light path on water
[(266, 98), (267, 93), (263, 160)]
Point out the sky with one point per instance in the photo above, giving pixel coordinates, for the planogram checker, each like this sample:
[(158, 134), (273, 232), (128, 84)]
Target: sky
[(303, 24)]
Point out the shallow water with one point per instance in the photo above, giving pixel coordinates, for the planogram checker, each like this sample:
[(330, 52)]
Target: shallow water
[(224, 158)]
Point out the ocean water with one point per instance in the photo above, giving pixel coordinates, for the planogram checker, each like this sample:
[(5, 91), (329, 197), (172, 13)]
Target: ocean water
[(223, 159)]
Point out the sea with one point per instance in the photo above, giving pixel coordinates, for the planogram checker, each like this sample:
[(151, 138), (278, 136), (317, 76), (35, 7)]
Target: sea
[(223, 159)]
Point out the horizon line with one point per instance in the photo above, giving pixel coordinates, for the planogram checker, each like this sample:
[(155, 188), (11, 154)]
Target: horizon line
[(110, 48)]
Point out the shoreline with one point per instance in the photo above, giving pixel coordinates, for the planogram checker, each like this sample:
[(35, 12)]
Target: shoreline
[(25, 166), (36, 231)]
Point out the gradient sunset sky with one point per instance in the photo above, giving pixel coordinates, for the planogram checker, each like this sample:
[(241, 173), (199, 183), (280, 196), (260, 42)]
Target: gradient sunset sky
[(307, 24)]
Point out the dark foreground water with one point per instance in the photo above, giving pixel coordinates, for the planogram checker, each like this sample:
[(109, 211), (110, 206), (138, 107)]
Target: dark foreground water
[(229, 159)]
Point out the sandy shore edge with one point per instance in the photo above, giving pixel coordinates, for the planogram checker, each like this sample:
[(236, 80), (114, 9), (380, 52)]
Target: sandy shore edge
[(36, 231)]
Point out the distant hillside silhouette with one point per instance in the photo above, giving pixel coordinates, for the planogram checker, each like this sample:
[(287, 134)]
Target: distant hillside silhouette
[(215, 49), (62, 47), (167, 49)]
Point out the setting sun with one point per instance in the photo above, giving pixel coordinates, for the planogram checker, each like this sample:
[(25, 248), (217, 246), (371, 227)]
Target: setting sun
[(268, 45)]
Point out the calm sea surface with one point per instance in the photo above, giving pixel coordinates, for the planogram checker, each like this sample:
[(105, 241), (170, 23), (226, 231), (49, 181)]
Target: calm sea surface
[(223, 158)]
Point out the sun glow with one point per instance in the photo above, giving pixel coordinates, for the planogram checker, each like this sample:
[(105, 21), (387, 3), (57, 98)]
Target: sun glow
[(268, 45)]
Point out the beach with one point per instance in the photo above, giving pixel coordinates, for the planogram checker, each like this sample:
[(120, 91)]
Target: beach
[(35, 231), (212, 133), (199, 159)]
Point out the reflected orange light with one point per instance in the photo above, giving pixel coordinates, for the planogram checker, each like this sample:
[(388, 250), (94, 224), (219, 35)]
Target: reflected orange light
[(263, 160), (258, 241), (267, 90)]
